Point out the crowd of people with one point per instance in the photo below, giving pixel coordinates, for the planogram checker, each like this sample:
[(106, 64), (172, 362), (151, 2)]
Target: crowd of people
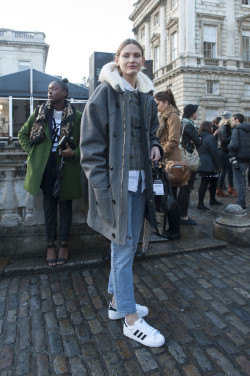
[(123, 129)]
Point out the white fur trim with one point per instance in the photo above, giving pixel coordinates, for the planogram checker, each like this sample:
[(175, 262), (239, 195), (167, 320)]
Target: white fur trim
[(109, 73)]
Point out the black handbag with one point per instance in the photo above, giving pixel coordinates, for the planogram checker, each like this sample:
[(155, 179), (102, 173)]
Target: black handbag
[(163, 194)]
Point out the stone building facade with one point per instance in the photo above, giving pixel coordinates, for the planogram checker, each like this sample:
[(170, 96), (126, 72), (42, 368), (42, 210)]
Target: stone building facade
[(200, 49), (20, 50)]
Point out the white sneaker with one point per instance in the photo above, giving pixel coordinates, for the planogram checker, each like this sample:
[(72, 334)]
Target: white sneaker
[(144, 333), (141, 311)]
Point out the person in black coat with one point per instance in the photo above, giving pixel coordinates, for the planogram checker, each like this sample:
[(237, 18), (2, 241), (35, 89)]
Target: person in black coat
[(239, 151), (210, 163), (190, 141)]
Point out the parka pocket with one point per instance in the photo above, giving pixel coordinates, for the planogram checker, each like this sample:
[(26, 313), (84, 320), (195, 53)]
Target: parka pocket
[(104, 204)]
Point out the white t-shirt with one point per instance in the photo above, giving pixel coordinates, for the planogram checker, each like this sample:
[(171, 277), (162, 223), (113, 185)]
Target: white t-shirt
[(56, 127)]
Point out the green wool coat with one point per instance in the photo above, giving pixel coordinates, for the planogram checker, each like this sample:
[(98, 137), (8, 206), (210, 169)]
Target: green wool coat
[(38, 156)]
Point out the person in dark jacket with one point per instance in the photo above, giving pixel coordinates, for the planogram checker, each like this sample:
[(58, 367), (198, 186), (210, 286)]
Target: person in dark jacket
[(190, 141), (118, 146), (40, 137), (239, 151), (215, 125), (210, 164), (224, 135)]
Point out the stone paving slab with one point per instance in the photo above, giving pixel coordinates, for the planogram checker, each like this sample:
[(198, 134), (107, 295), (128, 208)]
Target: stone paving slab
[(57, 323)]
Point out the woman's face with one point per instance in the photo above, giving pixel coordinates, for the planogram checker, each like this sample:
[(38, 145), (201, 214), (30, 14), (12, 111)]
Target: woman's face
[(56, 94), (130, 60), (161, 105)]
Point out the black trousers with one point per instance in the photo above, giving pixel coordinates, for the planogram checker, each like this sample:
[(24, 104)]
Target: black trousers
[(50, 205), (205, 180), (184, 195), (50, 217), (174, 216)]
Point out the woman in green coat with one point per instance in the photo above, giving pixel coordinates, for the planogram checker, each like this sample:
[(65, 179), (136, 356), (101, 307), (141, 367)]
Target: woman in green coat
[(51, 138)]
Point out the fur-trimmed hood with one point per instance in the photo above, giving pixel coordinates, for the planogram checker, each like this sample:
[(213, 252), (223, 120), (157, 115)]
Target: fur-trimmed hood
[(110, 74)]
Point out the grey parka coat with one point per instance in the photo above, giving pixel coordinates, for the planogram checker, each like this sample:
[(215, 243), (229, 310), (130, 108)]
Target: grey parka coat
[(105, 151)]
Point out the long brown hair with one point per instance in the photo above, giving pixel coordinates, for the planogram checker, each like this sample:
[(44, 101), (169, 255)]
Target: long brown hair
[(166, 95), (206, 126)]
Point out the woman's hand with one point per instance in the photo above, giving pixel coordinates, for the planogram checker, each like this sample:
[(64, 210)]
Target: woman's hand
[(155, 154), (68, 152)]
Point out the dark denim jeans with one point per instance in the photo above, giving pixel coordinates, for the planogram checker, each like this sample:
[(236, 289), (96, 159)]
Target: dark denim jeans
[(240, 178), (226, 167)]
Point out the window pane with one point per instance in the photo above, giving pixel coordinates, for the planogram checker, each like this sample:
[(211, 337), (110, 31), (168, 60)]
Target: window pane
[(211, 114), (4, 118), (24, 65), (210, 34), (156, 58), (212, 87), (247, 116), (143, 32), (156, 18), (174, 46), (174, 3), (246, 48), (209, 50)]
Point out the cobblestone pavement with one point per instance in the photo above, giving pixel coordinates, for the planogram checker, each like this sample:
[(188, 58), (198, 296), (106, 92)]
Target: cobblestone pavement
[(57, 323)]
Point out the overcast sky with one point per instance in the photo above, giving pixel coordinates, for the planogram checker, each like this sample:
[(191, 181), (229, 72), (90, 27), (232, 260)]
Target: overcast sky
[(74, 29)]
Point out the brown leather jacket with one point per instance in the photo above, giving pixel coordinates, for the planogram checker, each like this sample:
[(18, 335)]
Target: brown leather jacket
[(169, 133)]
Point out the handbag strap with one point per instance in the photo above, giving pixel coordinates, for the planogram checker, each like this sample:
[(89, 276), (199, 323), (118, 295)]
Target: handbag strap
[(182, 130)]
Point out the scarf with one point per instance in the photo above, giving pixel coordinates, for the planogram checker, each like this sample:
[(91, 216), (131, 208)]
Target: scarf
[(164, 117), (37, 131)]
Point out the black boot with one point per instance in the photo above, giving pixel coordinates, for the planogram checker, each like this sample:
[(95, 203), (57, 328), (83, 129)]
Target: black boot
[(201, 206), (214, 202), (213, 187)]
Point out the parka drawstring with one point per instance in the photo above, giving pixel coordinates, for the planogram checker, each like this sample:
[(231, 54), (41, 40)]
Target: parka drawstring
[(123, 150)]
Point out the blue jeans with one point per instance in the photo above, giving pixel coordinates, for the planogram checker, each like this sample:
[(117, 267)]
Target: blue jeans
[(240, 177), (122, 256), (226, 167)]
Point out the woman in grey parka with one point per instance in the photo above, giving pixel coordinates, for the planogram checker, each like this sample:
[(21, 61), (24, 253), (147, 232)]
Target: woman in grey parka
[(118, 145)]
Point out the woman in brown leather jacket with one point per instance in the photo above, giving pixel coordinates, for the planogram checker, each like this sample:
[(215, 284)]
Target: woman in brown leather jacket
[(169, 134)]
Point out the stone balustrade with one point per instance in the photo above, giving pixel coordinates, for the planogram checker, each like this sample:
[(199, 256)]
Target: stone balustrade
[(21, 214)]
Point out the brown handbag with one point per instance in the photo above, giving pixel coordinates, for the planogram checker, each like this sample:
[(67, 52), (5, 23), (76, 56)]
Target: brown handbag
[(178, 172)]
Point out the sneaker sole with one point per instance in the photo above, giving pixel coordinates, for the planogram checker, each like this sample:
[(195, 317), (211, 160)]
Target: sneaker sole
[(130, 335)]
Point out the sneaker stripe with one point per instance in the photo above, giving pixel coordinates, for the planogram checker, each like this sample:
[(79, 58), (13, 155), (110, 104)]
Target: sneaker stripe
[(135, 333), (145, 335), (111, 308), (140, 335)]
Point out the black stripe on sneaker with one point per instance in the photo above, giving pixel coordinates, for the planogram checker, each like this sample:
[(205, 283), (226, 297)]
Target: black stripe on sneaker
[(140, 335), (111, 308), (145, 335), (135, 333)]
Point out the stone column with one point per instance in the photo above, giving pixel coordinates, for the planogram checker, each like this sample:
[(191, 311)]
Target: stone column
[(10, 203), (182, 27), (163, 33), (147, 40), (190, 27), (230, 25), (9, 163), (29, 218)]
